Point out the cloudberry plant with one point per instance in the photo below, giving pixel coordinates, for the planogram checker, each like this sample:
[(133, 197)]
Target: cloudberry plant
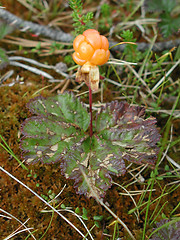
[(62, 128)]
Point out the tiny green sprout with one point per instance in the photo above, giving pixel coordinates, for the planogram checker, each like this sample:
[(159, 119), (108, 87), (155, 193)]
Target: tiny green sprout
[(49, 192), (169, 173), (105, 21), (96, 223), (63, 206), (77, 210), (131, 53), (163, 216), (98, 218), (84, 216), (105, 10), (166, 168), (45, 197), (52, 196), (30, 174), (68, 59), (160, 178)]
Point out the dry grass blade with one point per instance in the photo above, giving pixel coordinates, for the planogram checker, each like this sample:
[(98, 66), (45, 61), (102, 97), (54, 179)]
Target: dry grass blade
[(45, 45), (167, 149), (22, 224), (139, 23), (174, 113), (88, 232), (173, 162), (16, 233), (24, 42), (138, 77), (120, 85)]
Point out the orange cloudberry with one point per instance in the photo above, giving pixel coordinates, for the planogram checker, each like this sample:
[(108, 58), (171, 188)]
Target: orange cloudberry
[(91, 50), (91, 47)]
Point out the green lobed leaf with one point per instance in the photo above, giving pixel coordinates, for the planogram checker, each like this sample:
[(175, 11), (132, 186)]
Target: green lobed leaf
[(64, 107), (56, 127), (45, 140), (97, 164), (134, 136), (58, 133)]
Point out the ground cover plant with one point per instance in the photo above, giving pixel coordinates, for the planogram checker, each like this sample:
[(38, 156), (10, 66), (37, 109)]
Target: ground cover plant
[(94, 123)]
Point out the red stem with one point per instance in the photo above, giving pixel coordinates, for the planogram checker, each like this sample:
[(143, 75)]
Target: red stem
[(90, 110)]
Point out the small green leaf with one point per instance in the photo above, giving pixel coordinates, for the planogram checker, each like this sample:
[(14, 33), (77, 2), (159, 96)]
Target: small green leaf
[(84, 216), (49, 192), (63, 206), (97, 224), (98, 218), (77, 210), (52, 196), (45, 197), (152, 175), (159, 178), (166, 168)]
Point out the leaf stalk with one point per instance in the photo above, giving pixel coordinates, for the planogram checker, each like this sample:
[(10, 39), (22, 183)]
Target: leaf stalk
[(90, 111)]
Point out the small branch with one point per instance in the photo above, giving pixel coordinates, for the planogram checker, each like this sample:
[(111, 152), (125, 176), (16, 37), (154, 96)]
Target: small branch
[(16, 22), (59, 35)]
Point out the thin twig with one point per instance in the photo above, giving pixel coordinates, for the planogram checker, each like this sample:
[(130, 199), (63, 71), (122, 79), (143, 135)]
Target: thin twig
[(59, 35)]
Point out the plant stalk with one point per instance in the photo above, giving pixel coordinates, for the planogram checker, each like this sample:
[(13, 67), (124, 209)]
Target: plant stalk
[(90, 110)]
